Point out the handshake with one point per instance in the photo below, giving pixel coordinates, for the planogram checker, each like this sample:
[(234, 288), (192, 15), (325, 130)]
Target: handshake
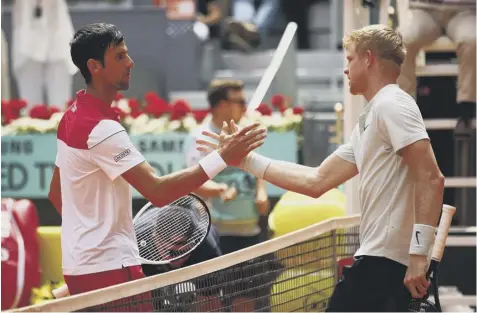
[(233, 144)]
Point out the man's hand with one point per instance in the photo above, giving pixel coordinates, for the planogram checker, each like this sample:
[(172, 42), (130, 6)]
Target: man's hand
[(234, 144), (229, 193), (415, 279), (217, 141)]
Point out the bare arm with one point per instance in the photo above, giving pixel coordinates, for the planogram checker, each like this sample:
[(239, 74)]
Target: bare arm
[(54, 195), (214, 15), (161, 190), (310, 181), (261, 200), (306, 180), (428, 180)]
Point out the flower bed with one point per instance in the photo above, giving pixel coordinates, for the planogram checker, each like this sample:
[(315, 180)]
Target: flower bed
[(152, 115)]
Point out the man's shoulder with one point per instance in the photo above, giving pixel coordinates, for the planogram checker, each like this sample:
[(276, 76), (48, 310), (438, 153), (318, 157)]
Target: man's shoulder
[(84, 127), (394, 100)]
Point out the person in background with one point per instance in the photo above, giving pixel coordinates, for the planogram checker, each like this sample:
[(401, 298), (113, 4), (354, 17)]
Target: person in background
[(425, 22), (210, 14), (237, 219), (41, 32), (248, 26)]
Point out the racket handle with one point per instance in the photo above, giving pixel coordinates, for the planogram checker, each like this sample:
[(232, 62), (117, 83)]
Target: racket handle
[(61, 292), (442, 232)]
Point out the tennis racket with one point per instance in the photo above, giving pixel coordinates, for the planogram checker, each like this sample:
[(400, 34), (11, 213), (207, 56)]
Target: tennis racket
[(169, 233), (424, 304)]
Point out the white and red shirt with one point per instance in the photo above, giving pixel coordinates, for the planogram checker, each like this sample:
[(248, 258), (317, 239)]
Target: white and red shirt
[(97, 232)]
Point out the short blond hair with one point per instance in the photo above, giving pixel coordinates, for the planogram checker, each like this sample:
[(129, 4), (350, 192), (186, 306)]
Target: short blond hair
[(380, 39)]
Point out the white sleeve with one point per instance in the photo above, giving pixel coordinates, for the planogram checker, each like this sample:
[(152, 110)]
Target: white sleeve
[(400, 122), (346, 151), (112, 150), (57, 160)]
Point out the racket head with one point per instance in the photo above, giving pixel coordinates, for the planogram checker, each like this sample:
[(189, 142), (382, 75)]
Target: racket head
[(422, 305), (172, 232)]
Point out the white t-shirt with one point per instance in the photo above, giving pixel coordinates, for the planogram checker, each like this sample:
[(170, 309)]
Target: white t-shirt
[(390, 122), (97, 233)]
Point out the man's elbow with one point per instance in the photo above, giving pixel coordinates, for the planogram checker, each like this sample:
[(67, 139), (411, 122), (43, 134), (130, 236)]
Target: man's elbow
[(439, 181)]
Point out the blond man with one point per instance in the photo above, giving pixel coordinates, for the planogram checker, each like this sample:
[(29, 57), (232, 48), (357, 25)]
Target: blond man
[(400, 184)]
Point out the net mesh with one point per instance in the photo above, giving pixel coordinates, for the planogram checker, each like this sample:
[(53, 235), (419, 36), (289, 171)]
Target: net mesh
[(294, 272)]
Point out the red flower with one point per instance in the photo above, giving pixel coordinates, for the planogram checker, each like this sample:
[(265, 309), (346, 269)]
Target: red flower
[(54, 110), (17, 104), (135, 107), (279, 102), (199, 115), (264, 109), (180, 109), (118, 96), (156, 106), (298, 110), (40, 111), (11, 110), (136, 114), (121, 114)]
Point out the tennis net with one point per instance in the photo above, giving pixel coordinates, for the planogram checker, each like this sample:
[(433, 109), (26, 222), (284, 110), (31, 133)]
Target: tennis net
[(293, 272)]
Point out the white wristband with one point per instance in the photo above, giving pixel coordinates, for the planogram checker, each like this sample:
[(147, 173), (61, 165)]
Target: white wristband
[(256, 164), (212, 164), (422, 240)]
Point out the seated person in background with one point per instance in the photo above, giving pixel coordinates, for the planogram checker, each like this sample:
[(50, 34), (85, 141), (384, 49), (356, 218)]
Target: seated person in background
[(210, 14), (248, 25), (207, 300), (424, 25)]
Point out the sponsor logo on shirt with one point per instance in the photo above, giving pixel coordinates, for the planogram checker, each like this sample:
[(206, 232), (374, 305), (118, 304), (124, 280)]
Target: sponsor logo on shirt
[(122, 155)]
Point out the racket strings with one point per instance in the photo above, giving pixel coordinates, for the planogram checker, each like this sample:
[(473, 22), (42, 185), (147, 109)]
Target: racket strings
[(168, 233)]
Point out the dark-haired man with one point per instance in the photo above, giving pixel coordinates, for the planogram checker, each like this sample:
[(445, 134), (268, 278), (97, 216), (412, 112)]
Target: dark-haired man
[(96, 162)]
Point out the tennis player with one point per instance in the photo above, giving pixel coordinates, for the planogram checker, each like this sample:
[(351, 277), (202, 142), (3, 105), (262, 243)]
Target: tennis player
[(400, 184), (96, 162)]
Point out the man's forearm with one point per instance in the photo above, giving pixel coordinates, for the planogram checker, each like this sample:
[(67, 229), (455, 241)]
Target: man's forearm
[(175, 185), (306, 180), (428, 200), (295, 177)]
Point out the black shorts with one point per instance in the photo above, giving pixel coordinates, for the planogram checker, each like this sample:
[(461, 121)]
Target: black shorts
[(371, 284)]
